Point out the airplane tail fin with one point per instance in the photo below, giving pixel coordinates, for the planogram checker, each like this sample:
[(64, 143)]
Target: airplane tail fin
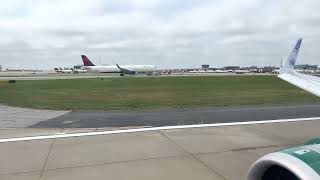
[(290, 61), (86, 61)]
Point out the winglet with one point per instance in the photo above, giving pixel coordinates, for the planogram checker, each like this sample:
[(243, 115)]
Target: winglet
[(290, 61), (86, 61)]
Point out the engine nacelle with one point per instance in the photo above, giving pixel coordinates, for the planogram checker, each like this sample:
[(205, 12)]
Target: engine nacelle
[(295, 163)]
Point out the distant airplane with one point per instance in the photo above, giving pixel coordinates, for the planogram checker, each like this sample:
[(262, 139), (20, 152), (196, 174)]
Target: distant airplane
[(241, 71), (80, 71), (303, 81), (60, 70), (126, 69)]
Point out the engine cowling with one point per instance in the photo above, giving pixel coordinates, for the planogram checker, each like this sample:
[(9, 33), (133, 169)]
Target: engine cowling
[(295, 163)]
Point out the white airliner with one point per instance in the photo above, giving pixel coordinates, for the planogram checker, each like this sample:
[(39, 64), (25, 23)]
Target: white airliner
[(63, 70), (126, 69), (303, 81)]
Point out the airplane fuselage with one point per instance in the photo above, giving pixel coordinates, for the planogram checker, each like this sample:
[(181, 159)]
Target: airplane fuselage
[(115, 69)]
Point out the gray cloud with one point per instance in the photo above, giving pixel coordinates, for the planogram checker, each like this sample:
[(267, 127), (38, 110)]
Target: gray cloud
[(169, 34)]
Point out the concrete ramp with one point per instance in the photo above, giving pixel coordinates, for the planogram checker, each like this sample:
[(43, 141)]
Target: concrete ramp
[(14, 117), (207, 153)]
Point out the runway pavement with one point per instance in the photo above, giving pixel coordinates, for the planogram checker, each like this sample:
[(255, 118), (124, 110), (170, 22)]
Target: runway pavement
[(14, 117), (222, 152), (207, 153), (56, 77), (49, 75), (172, 117)]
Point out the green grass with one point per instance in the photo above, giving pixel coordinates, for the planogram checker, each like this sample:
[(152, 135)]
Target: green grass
[(154, 92)]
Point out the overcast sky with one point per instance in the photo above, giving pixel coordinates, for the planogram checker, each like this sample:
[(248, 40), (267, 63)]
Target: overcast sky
[(42, 34)]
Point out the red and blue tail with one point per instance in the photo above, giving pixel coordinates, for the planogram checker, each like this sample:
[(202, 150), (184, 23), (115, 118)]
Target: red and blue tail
[(86, 61)]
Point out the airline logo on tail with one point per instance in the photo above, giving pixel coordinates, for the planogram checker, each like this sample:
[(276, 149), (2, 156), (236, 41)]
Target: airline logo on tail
[(290, 61), (293, 55), (86, 61)]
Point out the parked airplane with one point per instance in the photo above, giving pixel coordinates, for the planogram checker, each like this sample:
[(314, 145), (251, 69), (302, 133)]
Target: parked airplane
[(301, 162), (80, 71), (60, 70), (126, 69), (241, 71)]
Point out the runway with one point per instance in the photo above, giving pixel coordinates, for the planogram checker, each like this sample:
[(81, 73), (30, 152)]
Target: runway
[(16, 117), (173, 117), (55, 76), (108, 150), (224, 152), (4, 76)]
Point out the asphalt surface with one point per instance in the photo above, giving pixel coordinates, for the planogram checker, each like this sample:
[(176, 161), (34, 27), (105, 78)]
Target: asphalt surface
[(4, 76), (171, 117)]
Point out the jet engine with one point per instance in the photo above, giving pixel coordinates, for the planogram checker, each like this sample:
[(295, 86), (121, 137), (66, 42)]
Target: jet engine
[(302, 162)]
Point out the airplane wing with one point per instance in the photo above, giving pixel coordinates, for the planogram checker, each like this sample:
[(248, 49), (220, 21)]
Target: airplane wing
[(303, 81), (291, 162), (126, 71), (306, 82)]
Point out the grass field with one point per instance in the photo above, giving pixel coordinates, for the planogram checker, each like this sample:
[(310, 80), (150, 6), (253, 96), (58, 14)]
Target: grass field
[(154, 92)]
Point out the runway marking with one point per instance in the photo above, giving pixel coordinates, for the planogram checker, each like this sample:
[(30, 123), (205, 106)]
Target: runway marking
[(57, 135)]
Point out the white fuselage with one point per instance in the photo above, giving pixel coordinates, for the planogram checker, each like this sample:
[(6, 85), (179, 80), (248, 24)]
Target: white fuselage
[(64, 71), (115, 69)]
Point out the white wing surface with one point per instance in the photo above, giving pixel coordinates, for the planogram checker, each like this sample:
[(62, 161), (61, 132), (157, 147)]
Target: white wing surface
[(303, 81)]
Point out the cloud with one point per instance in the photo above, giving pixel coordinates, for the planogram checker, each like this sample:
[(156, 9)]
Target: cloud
[(166, 33)]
